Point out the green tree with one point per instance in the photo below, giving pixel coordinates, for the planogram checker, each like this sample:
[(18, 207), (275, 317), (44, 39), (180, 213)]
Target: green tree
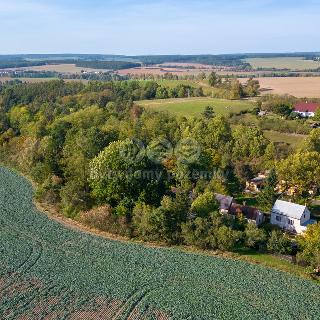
[(317, 115), (309, 243), (302, 170), (205, 204), (210, 233), (79, 148), (162, 93), (227, 238), (254, 236), (249, 143), (116, 173), (268, 195), (147, 223), (312, 142), (196, 232), (236, 89), (208, 112), (279, 242), (173, 213), (252, 88), (214, 79)]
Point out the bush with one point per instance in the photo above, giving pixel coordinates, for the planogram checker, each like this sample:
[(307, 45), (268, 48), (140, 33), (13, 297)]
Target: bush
[(103, 219), (254, 237), (147, 223), (210, 233), (279, 243), (204, 204)]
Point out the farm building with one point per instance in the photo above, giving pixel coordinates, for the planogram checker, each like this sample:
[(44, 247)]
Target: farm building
[(251, 214), (290, 216), (306, 109), (256, 184), (225, 202)]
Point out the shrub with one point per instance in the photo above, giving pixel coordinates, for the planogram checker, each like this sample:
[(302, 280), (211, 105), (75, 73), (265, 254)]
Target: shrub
[(279, 243), (254, 236), (103, 219)]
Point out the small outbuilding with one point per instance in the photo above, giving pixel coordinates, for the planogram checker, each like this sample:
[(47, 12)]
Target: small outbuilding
[(251, 214), (225, 202)]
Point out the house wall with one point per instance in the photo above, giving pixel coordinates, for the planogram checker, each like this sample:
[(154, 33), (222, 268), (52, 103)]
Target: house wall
[(306, 114), (297, 225), (284, 223), (260, 218), (306, 216)]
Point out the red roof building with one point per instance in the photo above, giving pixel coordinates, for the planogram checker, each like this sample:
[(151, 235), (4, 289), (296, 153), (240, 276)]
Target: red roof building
[(306, 107)]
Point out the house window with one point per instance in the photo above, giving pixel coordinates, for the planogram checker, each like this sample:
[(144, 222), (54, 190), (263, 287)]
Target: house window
[(290, 222), (278, 218)]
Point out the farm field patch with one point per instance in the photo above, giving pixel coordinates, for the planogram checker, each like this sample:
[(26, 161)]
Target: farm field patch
[(63, 68), (50, 272), (299, 87), (195, 106), (291, 63), (159, 70)]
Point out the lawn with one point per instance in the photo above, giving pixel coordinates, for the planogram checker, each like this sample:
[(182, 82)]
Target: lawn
[(292, 63), (293, 139), (270, 261), (49, 271), (195, 106)]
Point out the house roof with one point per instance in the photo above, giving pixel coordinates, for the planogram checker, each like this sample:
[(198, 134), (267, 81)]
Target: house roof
[(258, 180), (250, 213), (224, 201), (306, 106), (289, 209)]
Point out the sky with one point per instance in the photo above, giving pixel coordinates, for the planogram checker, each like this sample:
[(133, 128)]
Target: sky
[(159, 26)]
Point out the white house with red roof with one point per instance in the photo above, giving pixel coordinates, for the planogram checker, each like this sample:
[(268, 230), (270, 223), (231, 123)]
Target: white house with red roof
[(306, 109)]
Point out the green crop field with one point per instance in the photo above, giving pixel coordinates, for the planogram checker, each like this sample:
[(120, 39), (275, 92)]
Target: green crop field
[(194, 106), (291, 63), (48, 271)]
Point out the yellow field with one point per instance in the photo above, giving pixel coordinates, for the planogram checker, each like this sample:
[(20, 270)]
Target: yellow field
[(63, 68), (299, 87), (295, 63)]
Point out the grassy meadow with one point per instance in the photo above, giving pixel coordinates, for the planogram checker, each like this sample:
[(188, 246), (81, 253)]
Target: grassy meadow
[(195, 106), (293, 139)]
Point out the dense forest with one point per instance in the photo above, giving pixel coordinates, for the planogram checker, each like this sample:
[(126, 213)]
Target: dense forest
[(109, 65), (100, 158)]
